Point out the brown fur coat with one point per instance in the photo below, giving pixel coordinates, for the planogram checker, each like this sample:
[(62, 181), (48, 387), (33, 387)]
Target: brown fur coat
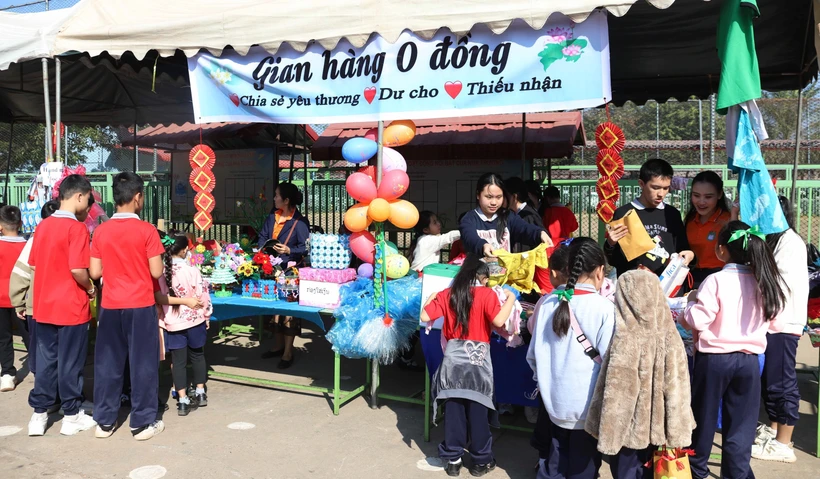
[(643, 394)]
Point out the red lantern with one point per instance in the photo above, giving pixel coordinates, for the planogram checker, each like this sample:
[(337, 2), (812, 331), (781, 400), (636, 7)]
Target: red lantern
[(605, 210), (610, 135), (610, 164), (202, 158), (607, 189)]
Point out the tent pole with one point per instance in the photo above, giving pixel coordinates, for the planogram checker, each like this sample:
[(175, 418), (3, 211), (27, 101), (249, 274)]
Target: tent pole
[(47, 99), (524, 146), (305, 161), (136, 147), (700, 128), (549, 171), (374, 364), (292, 152), (65, 139), (57, 128), (8, 164), (797, 146)]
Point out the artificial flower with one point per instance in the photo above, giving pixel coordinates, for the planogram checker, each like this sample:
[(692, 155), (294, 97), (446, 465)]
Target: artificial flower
[(200, 248)]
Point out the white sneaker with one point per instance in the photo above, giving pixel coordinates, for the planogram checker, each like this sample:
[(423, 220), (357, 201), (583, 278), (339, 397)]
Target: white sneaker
[(774, 451), (150, 431), (7, 383), (531, 413), (763, 434), (76, 423), (37, 424), (101, 433)]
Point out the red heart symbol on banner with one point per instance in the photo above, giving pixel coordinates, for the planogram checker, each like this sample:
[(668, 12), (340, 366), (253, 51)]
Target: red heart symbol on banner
[(370, 94), (453, 88), (235, 99)]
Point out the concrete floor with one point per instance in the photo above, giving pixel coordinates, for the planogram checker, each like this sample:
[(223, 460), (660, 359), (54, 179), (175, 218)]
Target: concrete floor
[(294, 434)]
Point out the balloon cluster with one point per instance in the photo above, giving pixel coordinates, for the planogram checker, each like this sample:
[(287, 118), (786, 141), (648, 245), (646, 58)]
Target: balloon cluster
[(379, 203)]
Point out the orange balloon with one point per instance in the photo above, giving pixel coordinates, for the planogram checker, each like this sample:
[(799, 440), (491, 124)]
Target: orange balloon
[(379, 210), (399, 133), (356, 218), (403, 214)]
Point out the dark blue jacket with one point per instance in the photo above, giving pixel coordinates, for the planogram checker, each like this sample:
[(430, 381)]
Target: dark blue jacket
[(298, 240), (520, 231)]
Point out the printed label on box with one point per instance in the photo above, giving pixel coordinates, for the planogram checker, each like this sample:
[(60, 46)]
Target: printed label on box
[(318, 294)]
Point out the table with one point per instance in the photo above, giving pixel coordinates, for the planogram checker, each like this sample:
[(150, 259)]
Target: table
[(233, 307)]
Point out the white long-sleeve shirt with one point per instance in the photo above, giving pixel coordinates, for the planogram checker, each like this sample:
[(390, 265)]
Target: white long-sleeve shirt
[(792, 261), (428, 249)]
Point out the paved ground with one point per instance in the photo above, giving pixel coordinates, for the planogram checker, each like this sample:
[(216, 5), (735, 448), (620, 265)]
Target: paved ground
[(294, 435)]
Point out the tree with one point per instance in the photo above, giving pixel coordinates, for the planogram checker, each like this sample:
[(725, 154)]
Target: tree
[(28, 144)]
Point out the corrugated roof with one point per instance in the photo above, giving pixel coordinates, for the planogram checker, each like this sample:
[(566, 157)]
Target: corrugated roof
[(252, 133), (548, 135), (695, 144)]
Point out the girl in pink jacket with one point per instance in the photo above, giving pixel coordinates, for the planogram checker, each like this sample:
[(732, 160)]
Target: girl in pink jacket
[(185, 328)]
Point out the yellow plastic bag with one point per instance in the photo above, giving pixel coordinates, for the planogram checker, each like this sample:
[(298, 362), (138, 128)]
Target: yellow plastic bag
[(637, 242), (519, 268)]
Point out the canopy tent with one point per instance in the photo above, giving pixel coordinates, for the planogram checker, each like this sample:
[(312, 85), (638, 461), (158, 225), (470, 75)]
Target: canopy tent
[(123, 42)]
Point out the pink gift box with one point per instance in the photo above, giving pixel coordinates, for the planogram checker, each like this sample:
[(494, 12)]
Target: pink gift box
[(337, 276)]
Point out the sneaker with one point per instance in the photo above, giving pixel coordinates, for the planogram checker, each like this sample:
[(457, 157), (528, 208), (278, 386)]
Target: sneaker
[(453, 469), (76, 423), (202, 400), (763, 434), (7, 383), (774, 451), (531, 413), (506, 409), (37, 424), (479, 470), (148, 432), (103, 432), (184, 407)]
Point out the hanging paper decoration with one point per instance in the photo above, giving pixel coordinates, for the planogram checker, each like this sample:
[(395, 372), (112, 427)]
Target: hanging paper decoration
[(610, 135), (607, 189), (605, 210), (202, 158), (610, 163)]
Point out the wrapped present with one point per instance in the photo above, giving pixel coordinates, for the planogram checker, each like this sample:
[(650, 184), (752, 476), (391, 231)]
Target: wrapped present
[(30, 214), (337, 276), (329, 251)]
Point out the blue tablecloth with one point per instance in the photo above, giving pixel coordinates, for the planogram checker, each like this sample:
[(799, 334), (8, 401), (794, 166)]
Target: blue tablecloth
[(512, 374), (238, 307)]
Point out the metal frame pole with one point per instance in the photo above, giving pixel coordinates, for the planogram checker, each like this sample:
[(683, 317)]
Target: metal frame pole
[(524, 146), (47, 99), (797, 147), (374, 365), (700, 128), (136, 147), (58, 124), (8, 164)]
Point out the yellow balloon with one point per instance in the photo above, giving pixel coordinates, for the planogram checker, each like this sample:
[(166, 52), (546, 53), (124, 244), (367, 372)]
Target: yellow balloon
[(396, 266), (356, 218), (403, 214), (379, 210), (399, 133)]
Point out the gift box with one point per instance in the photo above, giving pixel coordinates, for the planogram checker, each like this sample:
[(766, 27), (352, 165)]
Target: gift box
[(319, 294), (30, 215), (328, 275), (329, 251)]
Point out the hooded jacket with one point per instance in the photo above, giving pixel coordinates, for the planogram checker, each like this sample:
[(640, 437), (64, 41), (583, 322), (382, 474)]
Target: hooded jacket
[(643, 394)]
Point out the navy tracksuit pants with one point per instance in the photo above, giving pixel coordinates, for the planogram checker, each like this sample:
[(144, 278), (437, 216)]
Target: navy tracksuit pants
[(464, 421), (133, 335), (61, 354), (781, 397), (573, 454), (9, 319), (733, 378)]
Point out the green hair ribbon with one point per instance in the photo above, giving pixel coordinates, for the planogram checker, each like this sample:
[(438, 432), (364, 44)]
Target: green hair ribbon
[(753, 231), (564, 294), (168, 241)]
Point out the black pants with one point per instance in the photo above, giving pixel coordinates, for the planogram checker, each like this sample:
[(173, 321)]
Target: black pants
[(8, 320), (779, 382), (180, 358), (541, 438), (466, 422), (733, 378), (573, 455), (61, 355), (629, 464)]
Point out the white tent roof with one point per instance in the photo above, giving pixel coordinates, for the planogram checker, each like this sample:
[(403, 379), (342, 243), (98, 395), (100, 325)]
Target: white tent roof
[(115, 27)]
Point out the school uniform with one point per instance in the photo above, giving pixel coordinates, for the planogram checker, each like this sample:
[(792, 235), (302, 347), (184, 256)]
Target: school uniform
[(781, 397), (61, 310), (730, 333), (20, 297), (702, 239), (477, 229), (559, 221), (566, 379), (128, 324), (664, 226), (10, 248), (463, 383), (428, 249)]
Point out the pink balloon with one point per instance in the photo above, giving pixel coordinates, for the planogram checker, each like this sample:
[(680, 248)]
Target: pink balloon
[(372, 134), (394, 184), (363, 245), (392, 160), (361, 188)]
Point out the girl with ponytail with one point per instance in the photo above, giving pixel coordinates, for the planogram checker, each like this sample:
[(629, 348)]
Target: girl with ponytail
[(464, 380), (731, 314), (573, 329), (185, 326)]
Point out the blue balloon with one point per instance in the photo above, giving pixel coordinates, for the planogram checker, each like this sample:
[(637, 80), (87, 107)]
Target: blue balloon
[(359, 150)]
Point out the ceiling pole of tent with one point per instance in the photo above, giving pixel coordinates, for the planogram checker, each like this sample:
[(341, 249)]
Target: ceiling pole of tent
[(305, 162), (797, 147), (8, 163), (374, 364), (57, 108), (524, 146), (47, 100), (292, 147), (136, 148)]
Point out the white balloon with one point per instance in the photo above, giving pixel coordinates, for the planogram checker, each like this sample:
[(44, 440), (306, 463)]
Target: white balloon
[(392, 160)]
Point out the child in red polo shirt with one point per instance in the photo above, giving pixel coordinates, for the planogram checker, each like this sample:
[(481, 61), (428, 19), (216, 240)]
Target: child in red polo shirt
[(127, 254), (10, 247), (464, 380), (61, 309)]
